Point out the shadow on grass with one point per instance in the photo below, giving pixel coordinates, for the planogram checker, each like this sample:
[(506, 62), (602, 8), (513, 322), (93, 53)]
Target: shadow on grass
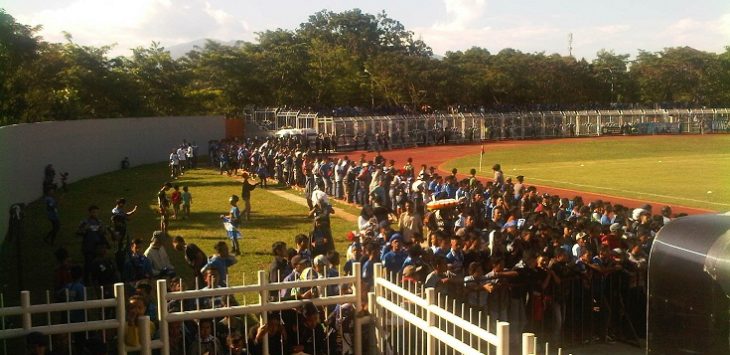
[(212, 220)]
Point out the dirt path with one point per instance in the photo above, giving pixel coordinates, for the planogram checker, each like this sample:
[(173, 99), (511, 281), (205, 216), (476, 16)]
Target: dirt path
[(438, 155), (340, 213)]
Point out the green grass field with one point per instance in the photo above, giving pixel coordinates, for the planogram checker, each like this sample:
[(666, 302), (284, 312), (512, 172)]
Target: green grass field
[(273, 218), (692, 171)]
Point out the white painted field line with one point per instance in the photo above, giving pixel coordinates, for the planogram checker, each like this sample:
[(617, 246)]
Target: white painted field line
[(627, 161), (626, 191)]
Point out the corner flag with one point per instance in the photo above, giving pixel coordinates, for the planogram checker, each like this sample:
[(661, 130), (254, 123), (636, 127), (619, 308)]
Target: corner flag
[(481, 155)]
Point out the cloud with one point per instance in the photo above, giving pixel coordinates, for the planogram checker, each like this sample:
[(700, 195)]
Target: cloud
[(464, 28), (462, 13), (710, 35), (611, 29), (133, 23)]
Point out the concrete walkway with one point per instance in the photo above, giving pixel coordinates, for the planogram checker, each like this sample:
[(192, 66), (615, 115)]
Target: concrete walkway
[(340, 213)]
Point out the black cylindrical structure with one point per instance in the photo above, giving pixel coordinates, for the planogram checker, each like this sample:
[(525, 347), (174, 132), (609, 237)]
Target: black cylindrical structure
[(689, 286)]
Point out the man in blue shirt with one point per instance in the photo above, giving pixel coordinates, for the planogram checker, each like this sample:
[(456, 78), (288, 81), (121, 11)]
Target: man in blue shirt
[(455, 257), (393, 259), (450, 187), (221, 261), (137, 267)]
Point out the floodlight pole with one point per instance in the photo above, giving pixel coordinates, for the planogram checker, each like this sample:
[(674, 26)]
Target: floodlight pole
[(372, 95)]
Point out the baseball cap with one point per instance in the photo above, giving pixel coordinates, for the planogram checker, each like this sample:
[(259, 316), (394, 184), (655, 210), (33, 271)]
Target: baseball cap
[(320, 260), (298, 259), (615, 228), (394, 237)]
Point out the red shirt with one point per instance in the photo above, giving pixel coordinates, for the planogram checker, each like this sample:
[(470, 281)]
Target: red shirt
[(611, 240)]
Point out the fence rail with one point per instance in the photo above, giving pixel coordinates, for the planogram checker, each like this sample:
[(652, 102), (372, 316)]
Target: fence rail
[(410, 323), (409, 130), (405, 318)]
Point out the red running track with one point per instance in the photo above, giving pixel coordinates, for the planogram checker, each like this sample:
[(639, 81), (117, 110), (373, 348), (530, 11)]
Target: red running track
[(438, 155)]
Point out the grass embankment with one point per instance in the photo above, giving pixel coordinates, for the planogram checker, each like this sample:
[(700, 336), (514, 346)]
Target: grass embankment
[(273, 218)]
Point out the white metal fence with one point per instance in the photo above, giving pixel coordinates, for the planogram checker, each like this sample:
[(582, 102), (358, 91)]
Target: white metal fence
[(408, 130), (406, 322), (405, 317)]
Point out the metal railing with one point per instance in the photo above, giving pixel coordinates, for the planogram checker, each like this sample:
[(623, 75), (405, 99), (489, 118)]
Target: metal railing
[(406, 322), (406, 318), (409, 130)]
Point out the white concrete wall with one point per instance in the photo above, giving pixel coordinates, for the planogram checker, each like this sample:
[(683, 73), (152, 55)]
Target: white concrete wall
[(86, 148)]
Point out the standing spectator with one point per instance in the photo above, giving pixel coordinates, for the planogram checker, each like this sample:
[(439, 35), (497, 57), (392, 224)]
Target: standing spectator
[(161, 265), (137, 267), (310, 337), (176, 199), (262, 172), (246, 189), (279, 267), (174, 165), (182, 157), (119, 220), (91, 231), (410, 223), (221, 261), (231, 222), (163, 205), (103, 271), (394, 257), (52, 214), (498, 176), (190, 156), (133, 332), (194, 256), (187, 200)]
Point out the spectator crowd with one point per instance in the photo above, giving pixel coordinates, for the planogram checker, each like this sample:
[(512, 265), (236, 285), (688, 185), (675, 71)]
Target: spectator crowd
[(567, 269)]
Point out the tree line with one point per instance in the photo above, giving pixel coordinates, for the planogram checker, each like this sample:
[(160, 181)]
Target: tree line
[(345, 59)]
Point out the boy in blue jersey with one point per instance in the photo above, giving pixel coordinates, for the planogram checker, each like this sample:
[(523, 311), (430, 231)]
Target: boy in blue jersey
[(231, 222)]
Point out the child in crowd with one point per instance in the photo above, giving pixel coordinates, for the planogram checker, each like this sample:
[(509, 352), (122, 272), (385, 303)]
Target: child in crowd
[(133, 332), (206, 343), (187, 200), (176, 199), (231, 222)]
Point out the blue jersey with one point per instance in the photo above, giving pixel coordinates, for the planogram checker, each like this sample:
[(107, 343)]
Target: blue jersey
[(51, 208), (235, 216)]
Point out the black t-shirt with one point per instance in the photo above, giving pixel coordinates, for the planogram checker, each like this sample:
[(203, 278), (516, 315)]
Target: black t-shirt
[(523, 283), (162, 199), (246, 189)]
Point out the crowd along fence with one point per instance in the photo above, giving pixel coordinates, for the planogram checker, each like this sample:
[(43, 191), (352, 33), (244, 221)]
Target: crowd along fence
[(426, 129), (404, 318)]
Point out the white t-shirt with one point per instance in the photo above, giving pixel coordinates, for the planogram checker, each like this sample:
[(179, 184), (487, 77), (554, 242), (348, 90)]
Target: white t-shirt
[(174, 159), (181, 154), (189, 152)]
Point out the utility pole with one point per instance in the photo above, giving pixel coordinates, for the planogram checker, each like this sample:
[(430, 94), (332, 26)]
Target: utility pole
[(570, 44)]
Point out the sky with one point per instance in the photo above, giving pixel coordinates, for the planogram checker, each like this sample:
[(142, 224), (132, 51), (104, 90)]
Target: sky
[(624, 26)]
